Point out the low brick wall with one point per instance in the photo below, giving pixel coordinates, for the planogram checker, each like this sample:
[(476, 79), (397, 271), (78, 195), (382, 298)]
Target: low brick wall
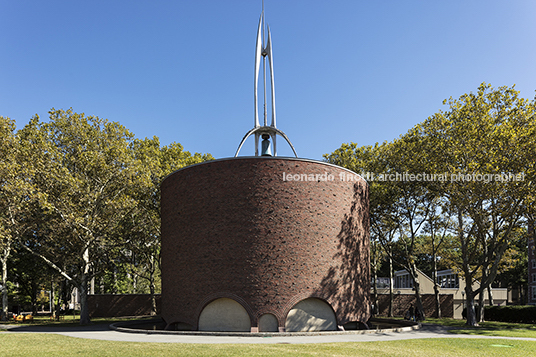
[(402, 303), (109, 305)]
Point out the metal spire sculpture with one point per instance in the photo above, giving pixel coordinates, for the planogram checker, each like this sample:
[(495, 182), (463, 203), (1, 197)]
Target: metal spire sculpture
[(264, 131)]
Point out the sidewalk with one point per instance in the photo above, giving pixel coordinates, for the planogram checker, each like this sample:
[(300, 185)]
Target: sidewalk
[(103, 332)]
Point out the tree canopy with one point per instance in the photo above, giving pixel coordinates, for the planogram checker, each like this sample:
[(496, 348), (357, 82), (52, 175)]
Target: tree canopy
[(87, 199), (468, 171)]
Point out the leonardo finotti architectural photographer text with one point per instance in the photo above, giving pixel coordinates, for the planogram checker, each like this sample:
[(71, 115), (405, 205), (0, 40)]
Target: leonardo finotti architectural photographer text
[(407, 177)]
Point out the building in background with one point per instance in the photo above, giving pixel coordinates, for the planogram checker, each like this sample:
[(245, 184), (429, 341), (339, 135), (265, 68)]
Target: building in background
[(452, 293)]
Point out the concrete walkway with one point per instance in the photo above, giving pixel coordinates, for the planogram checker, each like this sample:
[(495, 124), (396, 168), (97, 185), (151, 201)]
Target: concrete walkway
[(103, 332)]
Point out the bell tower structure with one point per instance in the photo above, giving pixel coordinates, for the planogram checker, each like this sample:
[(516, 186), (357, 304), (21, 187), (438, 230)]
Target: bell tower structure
[(264, 49)]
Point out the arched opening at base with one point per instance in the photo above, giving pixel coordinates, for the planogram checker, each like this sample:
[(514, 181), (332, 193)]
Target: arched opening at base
[(311, 315), (224, 315), (268, 323)]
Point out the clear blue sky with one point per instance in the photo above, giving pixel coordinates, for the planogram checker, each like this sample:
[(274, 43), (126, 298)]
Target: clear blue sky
[(345, 70)]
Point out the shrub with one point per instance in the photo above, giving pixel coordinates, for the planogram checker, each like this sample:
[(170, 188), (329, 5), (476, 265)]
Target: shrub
[(511, 313)]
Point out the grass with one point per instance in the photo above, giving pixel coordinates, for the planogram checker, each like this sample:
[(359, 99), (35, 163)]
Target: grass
[(18, 344), (488, 328), (35, 344)]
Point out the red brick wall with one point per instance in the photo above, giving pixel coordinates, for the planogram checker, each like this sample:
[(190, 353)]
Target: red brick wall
[(110, 305), (234, 228), (402, 303)]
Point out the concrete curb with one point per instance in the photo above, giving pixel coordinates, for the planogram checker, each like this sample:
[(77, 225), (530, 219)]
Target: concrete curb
[(128, 327)]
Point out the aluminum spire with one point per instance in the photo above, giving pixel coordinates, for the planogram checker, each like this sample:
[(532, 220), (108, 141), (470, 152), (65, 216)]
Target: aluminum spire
[(262, 50)]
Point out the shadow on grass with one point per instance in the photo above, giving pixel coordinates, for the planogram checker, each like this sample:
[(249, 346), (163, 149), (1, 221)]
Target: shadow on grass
[(487, 328), (47, 326)]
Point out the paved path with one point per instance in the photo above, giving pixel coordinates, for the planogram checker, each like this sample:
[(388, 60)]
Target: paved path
[(102, 332)]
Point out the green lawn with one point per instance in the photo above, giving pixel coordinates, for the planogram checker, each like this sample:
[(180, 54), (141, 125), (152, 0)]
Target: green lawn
[(33, 344), (488, 328), (18, 344)]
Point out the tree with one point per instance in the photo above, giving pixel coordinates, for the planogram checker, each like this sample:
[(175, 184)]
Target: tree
[(486, 144), (84, 169), (399, 208), (415, 204), (31, 276), (476, 162), (16, 196), (8, 173), (437, 228), (384, 225), (513, 268), (141, 227)]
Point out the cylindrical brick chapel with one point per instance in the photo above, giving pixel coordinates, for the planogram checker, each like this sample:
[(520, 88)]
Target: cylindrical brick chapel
[(265, 244)]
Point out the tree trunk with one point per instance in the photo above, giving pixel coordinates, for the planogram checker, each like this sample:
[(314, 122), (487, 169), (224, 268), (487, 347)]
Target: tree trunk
[(153, 301), (391, 294), (419, 309), (490, 296), (102, 285), (375, 289), (61, 287), (470, 301), (114, 285), (480, 314), (482, 289), (84, 310), (152, 287), (437, 301), (436, 290), (51, 302), (3, 315), (34, 292), (134, 283), (469, 295)]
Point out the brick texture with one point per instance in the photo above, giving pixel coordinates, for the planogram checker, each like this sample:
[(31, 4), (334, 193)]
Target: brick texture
[(235, 228), (402, 303)]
